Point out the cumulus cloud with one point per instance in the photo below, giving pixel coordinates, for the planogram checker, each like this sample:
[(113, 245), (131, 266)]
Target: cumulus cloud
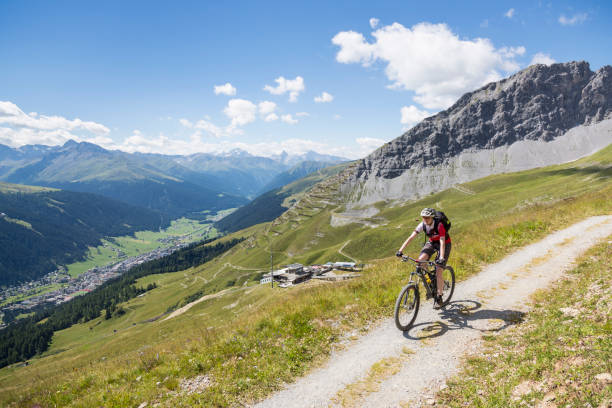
[(18, 128), (186, 123), (138, 142), (292, 86), (429, 59), (304, 114), (541, 58), (240, 111), (211, 128), (573, 20), (266, 107), (368, 144), (510, 13), (411, 115), (323, 98), (271, 117), (289, 119), (226, 89), (208, 127), (374, 22)]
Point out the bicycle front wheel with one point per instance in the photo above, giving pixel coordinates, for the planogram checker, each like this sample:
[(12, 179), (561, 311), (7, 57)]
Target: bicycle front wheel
[(448, 275), (407, 307)]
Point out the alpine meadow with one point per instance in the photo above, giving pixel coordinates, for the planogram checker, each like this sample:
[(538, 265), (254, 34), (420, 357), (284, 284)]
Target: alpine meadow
[(266, 204)]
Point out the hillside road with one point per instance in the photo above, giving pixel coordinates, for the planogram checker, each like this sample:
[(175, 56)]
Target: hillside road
[(488, 302)]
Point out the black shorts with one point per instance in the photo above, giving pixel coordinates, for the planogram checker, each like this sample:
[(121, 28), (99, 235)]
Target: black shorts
[(430, 247)]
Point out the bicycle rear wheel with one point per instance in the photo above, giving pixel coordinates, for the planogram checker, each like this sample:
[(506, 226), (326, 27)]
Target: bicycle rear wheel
[(407, 307), (448, 275)]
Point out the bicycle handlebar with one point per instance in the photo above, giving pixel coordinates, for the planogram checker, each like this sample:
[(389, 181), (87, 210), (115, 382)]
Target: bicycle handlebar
[(407, 258)]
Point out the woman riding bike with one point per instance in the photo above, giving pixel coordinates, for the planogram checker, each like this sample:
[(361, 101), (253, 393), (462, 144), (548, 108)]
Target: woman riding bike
[(439, 241)]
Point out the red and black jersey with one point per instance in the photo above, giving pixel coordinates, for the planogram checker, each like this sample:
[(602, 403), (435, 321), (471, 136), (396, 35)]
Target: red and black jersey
[(432, 232)]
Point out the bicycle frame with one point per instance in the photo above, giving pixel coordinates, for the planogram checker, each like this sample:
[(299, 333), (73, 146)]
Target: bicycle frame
[(427, 275)]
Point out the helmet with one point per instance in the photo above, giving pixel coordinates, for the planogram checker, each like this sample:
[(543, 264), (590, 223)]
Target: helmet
[(428, 212)]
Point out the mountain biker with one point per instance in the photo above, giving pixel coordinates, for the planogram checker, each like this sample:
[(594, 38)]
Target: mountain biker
[(439, 241)]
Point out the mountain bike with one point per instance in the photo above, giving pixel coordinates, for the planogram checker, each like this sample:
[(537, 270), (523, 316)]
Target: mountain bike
[(408, 301)]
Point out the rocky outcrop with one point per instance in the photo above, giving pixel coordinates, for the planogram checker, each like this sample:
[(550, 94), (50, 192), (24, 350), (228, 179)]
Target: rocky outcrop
[(475, 137)]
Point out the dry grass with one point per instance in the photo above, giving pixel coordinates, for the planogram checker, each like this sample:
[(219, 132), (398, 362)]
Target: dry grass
[(354, 394)]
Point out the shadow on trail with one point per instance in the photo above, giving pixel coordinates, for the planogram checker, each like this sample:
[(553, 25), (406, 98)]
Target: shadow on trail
[(465, 314)]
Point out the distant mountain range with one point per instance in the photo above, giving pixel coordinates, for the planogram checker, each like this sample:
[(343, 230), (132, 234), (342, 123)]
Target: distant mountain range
[(175, 185)]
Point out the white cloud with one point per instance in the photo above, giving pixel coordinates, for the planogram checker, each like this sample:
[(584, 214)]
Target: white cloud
[(289, 119), (573, 20), (142, 144), (226, 89), (240, 111), (510, 13), (354, 48), (374, 22), (271, 117), (302, 114), (210, 128), (429, 59), (337, 117), (293, 86), (411, 115), (325, 97), (18, 128), (266, 107), (186, 123), (368, 144), (541, 58)]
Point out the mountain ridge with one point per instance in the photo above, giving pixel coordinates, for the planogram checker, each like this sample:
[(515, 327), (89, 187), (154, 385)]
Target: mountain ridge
[(491, 130), (177, 185)]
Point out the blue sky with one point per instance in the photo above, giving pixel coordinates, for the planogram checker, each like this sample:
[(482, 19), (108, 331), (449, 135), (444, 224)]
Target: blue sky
[(337, 77)]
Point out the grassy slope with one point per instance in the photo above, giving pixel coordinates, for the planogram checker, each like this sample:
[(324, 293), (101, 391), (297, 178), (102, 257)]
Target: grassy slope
[(273, 203), (285, 334), (555, 357), (21, 188)]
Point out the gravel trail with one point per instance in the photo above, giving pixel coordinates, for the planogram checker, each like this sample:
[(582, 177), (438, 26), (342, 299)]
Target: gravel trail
[(491, 301)]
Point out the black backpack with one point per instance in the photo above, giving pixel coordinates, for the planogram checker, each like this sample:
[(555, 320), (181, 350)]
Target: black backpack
[(439, 217)]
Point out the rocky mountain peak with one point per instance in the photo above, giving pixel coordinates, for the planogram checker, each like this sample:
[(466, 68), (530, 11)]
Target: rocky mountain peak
[(538, 103), (542, 115)]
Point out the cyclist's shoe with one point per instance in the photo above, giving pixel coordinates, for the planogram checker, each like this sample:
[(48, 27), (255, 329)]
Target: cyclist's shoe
[(438, 302)]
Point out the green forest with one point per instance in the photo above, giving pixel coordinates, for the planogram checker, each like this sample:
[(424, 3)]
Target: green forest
[(39, 231)]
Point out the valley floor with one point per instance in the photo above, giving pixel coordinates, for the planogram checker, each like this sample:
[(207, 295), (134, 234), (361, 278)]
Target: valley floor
[(388, 368)]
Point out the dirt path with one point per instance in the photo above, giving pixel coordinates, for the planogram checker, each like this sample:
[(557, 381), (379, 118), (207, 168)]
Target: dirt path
[(346, 255), (491, 301), (188, 306)]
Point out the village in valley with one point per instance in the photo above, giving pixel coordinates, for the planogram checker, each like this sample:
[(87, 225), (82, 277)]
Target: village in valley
[(70, 287), (286, 276)]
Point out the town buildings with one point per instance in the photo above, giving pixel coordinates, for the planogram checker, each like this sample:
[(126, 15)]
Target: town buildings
[(294, 274)]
